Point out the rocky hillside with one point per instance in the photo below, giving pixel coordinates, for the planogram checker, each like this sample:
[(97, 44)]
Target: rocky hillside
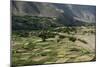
[(66, 14), (77, 12)]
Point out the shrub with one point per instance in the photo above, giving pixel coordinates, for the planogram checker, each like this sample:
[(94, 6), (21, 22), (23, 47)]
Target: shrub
[(62, 36), (42, 35), (73, 39)]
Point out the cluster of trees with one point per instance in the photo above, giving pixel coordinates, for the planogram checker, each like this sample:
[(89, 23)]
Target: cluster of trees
[(43, 34), (66, 29), (32, 22)]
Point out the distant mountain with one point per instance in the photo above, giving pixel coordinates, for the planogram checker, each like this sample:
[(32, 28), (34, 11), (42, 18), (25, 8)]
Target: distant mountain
[(68, 14)]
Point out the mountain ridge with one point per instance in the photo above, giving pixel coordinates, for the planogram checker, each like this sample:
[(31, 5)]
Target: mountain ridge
[(67, 13)]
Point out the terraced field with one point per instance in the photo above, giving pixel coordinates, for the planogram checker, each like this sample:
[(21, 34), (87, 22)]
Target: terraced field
[(32, 50)]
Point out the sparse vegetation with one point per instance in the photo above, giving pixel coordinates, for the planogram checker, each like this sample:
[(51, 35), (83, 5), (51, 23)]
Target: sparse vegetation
[(36, 40), (73, 39)]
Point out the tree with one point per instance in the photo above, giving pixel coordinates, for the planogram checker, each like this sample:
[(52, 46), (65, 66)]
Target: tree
[(43, 35)]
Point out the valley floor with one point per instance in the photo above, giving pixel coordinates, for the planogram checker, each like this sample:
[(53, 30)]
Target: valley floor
[(32, 50)]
